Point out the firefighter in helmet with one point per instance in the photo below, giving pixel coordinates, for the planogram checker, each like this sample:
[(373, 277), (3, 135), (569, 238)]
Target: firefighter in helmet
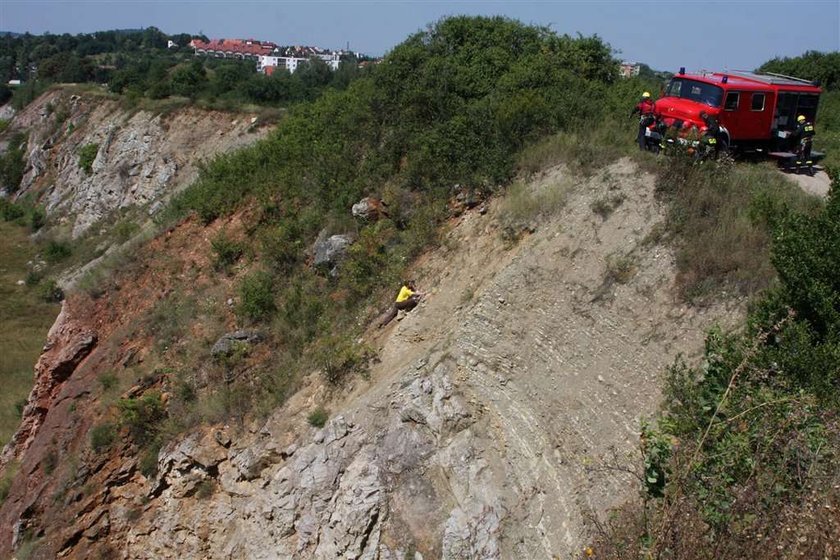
[(803, 135), (712, 136), (645, 109)]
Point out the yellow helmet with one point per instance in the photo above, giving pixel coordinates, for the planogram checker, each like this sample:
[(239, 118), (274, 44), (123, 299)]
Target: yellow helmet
[(645, 95), (800, 118)]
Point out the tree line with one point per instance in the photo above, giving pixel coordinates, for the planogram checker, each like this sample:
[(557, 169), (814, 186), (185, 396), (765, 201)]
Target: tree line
[(139, 63)]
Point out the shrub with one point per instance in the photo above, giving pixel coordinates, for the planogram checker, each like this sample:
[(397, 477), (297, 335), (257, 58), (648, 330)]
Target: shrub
[(49, 462), (226, 250), (87, 154), (142, 417), (318, 417), (339, 356), (50, 292), (57, 251), (256, 294), (108, 381), (13, 163), (10, 211), (102, 436)]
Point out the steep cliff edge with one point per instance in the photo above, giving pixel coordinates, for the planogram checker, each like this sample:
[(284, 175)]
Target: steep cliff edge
[(487, 428), (141, 157)]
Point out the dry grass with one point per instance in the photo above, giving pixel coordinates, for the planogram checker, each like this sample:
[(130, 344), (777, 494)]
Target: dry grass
[(720, 215), (527, 204)]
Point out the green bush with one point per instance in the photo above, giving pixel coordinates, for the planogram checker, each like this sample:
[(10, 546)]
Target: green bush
[(87, 154), (10, 211), (50, 292), (108, 381), (256, 293), (102, 436), (755, 422), (340, 356), (226, 251), (142, 417), (13, 163), (57, 251), (318, 417)]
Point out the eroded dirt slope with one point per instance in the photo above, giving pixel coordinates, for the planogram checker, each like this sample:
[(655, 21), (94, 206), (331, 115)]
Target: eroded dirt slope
[(486, 428)]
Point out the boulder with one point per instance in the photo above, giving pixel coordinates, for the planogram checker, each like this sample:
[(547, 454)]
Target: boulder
[(369, 209), (329, 251), (229, 342)]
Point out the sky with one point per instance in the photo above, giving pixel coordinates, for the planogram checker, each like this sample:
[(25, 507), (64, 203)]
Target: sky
[(698, 34)]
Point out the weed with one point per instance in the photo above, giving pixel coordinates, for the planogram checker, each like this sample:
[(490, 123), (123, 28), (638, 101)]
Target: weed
[(19, 406), (606, 205), (148, 464), (142, 416), (205, 489), (525, 205), (7, 479), (57, 251), (318, 417), (620, 270)]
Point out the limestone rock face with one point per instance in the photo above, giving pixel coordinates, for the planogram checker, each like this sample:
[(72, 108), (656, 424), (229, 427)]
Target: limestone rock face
[(337, 496), (142, 158)]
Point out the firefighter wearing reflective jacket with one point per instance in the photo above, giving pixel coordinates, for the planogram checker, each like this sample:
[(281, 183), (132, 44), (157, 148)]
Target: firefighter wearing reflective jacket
[(645, 109), (804, 135)]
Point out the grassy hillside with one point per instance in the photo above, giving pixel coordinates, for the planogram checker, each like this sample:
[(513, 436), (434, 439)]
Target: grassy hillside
[(25, 317)]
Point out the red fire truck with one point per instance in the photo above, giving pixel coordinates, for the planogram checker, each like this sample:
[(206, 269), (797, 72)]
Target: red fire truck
[(756, 111)]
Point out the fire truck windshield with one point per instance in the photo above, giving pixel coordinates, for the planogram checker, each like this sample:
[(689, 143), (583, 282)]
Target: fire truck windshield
[(700, 92)]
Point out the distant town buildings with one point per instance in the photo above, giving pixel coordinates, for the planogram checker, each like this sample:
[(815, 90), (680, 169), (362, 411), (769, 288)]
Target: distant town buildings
[(629, 69), (268, 56)]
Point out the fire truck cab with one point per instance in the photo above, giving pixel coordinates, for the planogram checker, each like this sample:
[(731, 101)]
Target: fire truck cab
[(757, 111)]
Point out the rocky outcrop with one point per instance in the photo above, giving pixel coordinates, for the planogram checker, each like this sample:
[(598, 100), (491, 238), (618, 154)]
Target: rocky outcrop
[(142, 157), (68, 344), (339, 495)]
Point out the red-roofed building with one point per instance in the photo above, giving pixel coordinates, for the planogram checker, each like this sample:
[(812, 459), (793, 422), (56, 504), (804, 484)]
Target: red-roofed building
[(233, 48)]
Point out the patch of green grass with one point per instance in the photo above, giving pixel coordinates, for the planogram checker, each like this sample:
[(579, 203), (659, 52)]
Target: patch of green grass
[(318, 417), (25, 319)]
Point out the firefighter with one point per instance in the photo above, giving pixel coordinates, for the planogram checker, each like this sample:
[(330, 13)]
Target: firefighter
[(645, 109), (804, 136), (712, 136)]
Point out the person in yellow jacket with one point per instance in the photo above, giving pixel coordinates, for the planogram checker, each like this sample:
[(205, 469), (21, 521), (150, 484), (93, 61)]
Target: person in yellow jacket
[(407, 299)]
